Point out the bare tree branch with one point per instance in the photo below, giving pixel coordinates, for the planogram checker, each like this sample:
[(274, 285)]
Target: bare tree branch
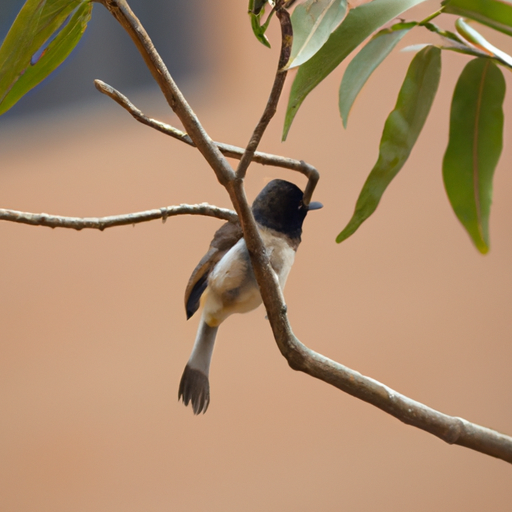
[(275, 94), (101, 223), (450, 429), (125, 16), (137, 114), (226, 149)]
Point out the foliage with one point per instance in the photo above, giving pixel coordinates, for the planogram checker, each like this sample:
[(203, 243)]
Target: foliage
[(475, 132), (476, 122), (41, 37), (326, 32), (401, 131)]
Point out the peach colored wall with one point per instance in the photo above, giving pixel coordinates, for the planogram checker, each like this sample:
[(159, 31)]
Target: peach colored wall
[(93, 336)]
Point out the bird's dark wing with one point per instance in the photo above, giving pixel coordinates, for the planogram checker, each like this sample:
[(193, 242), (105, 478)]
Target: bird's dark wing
[(225, 238)]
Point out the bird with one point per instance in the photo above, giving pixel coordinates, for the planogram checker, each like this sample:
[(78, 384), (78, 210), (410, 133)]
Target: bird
[(223, 282)]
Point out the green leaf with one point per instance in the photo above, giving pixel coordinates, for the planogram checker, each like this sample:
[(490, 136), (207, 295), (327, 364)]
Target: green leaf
[(365, 63), (494, 13), (461, 44), (41, 37), (256, 12), (258, 30), (313, 22), (475, 39), (359, 24), (401, 131), (474, 147)]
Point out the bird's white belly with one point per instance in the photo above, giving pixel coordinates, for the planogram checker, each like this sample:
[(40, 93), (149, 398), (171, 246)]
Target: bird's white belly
[(232, 287)]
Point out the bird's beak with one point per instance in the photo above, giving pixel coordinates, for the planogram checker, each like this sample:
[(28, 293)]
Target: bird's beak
[(315, 205)]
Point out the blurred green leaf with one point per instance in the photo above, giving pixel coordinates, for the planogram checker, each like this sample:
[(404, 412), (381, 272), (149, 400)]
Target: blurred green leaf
[(401, 131), (458, 43), (256, 12), (474, 147), (365, 63), (494, 13), (476, 39), (360, 23), (313, 22), (41, 37)]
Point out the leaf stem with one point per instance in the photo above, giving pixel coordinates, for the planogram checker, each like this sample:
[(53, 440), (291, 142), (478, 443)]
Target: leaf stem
[(431, 17)]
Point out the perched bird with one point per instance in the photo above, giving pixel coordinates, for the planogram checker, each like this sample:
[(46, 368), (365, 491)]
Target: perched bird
[(223, 282)]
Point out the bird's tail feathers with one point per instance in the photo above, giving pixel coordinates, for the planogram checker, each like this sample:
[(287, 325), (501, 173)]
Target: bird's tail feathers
[(194, 384)]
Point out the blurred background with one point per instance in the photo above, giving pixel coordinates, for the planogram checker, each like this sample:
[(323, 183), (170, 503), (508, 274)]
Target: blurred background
[(93, 336)]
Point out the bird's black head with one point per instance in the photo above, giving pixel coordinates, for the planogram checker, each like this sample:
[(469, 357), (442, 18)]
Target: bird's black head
[(279, 207)]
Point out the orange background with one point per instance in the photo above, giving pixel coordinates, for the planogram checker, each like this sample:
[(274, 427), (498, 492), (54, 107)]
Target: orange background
[(94, 338)]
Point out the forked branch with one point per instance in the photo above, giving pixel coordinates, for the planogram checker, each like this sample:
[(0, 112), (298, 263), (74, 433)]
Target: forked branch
[(226, 149)]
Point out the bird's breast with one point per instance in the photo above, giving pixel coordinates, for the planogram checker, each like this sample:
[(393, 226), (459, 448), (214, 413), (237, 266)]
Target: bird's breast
[(232, 286), (280, 253)]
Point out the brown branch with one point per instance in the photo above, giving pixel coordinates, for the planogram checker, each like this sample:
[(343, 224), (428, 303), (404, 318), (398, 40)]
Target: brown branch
[(226, 149), (125, 16), (101, 223), (450, 429), (275, 94)]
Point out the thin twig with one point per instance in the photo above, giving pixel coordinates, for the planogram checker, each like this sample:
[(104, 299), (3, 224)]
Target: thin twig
[(125, 16), (226, 149), (137, 114), (101, 223), (275, 94)]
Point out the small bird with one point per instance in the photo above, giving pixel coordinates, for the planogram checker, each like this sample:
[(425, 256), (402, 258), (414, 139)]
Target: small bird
[(223, 282)]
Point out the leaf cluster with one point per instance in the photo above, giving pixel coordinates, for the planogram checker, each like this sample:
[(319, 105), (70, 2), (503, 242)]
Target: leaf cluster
[(476, 118)]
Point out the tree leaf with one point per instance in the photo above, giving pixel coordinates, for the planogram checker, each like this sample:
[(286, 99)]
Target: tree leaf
[(401, 131), (41, 37), (313, 22), (365, 63), (360, 23), (494, 13), (259, 30), (475, 39), (256, 12), (474, 147)]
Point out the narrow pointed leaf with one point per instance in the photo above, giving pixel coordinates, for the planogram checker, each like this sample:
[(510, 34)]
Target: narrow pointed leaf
[(256, 12), (457, 43), (259, 30), (40, 39), (401, 131), (313, 22), (476, 39), (494, 13), (364, 64), (474, 147), (359, 24)]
